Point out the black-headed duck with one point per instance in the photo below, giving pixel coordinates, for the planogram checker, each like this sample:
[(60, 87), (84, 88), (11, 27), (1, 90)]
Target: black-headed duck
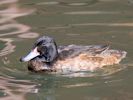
[(45, 56)]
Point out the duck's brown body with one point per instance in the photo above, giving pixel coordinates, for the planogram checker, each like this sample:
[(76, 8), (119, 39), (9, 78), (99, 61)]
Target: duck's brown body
[(86, 60), (45, 56)]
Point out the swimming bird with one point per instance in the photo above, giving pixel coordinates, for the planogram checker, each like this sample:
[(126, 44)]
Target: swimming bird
[(46, 56)]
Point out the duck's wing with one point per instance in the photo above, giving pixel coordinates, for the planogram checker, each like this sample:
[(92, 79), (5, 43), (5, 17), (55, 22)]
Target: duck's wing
[(97, 49), (66, 51), (74, 50)]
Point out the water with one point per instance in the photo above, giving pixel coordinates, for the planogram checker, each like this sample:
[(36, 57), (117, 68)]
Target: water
[(69, 22)]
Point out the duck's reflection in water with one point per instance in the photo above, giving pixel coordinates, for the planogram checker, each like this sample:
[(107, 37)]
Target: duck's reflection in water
[(8, 22)]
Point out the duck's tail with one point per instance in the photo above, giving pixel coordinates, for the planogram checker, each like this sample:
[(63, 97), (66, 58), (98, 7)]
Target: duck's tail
[(119, 54), (113, 56), (123, 54)]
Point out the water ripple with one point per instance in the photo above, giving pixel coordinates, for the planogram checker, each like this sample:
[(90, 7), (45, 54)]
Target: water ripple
[(90, 12), (78, 85), (8, 22), (48, 3), (7, 1), (90, 2), (9, 46), (21, 88), (105, 24)]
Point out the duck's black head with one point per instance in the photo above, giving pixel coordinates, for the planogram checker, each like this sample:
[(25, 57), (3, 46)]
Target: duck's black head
[(44, 49)]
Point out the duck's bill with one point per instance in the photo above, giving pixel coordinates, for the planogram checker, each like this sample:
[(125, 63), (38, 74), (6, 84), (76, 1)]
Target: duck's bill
[(34, 53)]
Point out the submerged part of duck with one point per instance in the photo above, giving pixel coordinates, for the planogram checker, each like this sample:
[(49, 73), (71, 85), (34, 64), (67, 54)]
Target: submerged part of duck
[(72, 58)]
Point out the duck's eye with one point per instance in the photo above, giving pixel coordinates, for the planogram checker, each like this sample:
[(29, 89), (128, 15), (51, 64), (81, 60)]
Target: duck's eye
[(41, 49)]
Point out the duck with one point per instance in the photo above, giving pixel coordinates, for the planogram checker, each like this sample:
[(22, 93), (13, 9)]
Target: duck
[(46, 56)]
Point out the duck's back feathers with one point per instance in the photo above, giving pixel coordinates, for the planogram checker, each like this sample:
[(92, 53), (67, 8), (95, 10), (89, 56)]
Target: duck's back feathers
[(74, 50)]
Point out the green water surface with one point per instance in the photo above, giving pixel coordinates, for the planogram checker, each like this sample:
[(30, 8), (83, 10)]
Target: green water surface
[(81, 22)]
